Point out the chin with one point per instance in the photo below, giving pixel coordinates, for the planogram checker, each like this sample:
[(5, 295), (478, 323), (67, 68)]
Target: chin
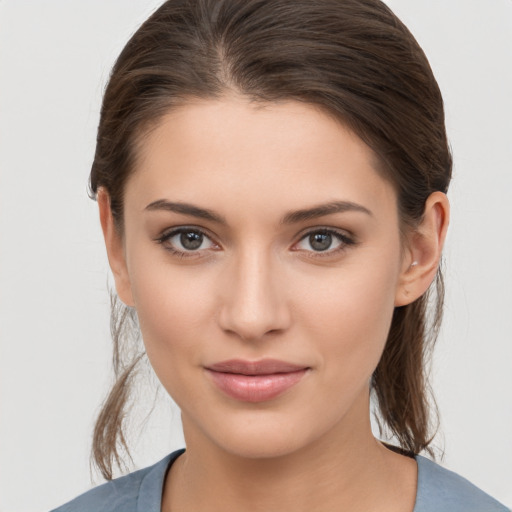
[(263, 436)]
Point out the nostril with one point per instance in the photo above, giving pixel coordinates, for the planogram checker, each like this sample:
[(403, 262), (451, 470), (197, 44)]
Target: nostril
[(254, 327)]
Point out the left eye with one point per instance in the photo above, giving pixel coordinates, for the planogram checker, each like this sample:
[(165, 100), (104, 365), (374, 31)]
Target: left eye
[(187, 240), (322, 241)]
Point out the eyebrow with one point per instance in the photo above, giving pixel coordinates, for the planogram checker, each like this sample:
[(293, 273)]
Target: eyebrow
[(290, 218), (324, 209), (186, 209)]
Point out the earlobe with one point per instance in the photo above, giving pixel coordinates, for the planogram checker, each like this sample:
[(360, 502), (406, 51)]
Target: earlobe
[(115, 249), (424, 250)]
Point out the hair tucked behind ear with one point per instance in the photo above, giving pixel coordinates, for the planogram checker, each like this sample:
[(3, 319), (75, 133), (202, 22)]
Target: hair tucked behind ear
[(352, 58), (400, 382)]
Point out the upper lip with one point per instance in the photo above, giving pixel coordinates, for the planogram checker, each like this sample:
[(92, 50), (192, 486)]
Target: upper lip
[(262, 367)]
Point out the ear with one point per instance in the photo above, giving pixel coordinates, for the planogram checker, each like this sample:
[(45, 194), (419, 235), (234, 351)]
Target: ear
[(115, 249), (423, 250)]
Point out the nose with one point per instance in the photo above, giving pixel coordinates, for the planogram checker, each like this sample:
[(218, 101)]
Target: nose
[(254, 298)]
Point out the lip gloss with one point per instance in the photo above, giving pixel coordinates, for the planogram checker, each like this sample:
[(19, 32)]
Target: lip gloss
[(258, 381)]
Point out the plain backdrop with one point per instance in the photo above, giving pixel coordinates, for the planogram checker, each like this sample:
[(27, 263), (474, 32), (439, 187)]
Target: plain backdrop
[(55, 57)]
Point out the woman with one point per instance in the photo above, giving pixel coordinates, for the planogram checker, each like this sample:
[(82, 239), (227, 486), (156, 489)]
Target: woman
[(271, 179)]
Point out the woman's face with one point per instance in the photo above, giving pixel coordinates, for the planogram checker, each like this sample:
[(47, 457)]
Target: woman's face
[(263, 256)]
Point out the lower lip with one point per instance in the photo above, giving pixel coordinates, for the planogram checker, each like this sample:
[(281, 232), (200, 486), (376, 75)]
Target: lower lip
[(255, 388)]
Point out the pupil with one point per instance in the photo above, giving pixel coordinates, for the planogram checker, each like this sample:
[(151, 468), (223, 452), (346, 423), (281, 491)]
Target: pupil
[(320, 241), (191, 240)]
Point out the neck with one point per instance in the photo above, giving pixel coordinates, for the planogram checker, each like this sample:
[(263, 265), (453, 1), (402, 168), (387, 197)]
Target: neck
[(356, 475)]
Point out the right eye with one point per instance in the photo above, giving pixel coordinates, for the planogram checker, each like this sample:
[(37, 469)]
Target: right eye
[(183, 241)]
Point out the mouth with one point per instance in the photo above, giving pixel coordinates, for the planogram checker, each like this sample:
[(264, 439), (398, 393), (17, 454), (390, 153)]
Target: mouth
[(255, 381)]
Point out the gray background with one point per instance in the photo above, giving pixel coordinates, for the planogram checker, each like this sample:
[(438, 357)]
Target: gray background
[(55, 57)]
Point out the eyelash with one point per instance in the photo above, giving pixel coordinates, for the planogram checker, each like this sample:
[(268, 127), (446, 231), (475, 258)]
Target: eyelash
[(166, 236), (344, 240)]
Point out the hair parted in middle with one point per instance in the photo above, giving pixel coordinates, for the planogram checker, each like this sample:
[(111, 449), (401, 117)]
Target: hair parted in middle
[(355, 60)]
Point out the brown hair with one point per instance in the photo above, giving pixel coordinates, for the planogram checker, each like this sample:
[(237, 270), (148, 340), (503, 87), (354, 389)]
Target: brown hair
[(352, 58)]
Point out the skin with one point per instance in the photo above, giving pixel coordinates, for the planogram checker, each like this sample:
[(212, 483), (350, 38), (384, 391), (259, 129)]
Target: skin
[(257, 287)]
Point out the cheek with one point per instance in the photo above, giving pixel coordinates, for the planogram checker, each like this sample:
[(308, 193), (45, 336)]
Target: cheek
[(172, 307), (350, 317)]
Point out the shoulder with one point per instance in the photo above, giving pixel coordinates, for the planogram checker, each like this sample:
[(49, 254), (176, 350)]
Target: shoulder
[(441, 490), (140, 490)]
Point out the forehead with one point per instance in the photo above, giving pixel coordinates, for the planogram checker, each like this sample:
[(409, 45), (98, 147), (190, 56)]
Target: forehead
[(234, 151)]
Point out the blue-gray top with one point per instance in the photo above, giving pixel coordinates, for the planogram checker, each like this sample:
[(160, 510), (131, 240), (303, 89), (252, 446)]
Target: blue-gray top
[(439, 490)]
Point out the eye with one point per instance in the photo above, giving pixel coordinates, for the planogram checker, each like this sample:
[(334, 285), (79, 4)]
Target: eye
[(186, 240), (323, 240)]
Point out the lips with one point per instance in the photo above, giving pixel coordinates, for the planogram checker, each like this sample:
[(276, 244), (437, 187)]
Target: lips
[(255, 381)]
